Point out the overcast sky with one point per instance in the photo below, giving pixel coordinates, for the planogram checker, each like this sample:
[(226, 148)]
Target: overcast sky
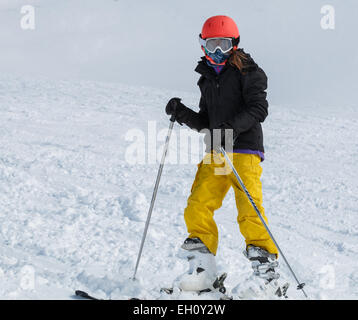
[(155, 43)]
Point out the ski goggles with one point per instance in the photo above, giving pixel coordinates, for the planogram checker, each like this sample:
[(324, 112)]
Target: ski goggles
[(211, 44)]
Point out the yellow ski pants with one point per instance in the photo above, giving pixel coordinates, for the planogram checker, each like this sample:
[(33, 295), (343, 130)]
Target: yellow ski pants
[(213, 180)]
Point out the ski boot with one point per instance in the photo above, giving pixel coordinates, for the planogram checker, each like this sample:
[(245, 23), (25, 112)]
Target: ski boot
[(201, 278), (264, 265), (202, 267)]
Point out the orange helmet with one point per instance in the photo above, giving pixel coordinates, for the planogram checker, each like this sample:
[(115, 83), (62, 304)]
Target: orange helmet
[(220, 27)]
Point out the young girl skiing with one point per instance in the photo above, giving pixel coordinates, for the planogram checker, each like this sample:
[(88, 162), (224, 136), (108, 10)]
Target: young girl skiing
[(233, 98)]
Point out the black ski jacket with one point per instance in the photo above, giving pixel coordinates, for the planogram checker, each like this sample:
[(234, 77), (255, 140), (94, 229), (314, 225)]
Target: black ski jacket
[(233, 96)]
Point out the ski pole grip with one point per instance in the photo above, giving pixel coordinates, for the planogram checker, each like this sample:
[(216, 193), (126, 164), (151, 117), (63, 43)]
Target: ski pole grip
[(174, 104), (172, 118)]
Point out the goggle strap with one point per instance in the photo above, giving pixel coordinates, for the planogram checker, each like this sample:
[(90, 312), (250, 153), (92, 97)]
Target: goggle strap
[(235, 41), (202, 41)]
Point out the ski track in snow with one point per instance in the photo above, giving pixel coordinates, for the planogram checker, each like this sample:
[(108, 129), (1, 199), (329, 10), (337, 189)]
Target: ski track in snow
[(72, 210)]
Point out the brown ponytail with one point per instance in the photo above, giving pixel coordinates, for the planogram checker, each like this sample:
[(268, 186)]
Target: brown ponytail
[(237, 59)]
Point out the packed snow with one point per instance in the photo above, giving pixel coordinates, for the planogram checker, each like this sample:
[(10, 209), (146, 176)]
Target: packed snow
[(73, 209)]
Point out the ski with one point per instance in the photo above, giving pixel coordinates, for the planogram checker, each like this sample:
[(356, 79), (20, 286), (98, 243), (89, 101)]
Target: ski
[(218, 286), (266, 291), (85, 295), (224, 296)]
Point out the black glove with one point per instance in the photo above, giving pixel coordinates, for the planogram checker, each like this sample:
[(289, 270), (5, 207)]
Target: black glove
[(177, 110), (215, 140)]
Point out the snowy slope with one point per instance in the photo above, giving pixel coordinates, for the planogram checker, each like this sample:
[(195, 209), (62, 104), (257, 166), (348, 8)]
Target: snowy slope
[(72, 210)]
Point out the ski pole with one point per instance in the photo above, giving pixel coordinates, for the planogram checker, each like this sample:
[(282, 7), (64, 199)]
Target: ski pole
[(299, 285), (172, 120)]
